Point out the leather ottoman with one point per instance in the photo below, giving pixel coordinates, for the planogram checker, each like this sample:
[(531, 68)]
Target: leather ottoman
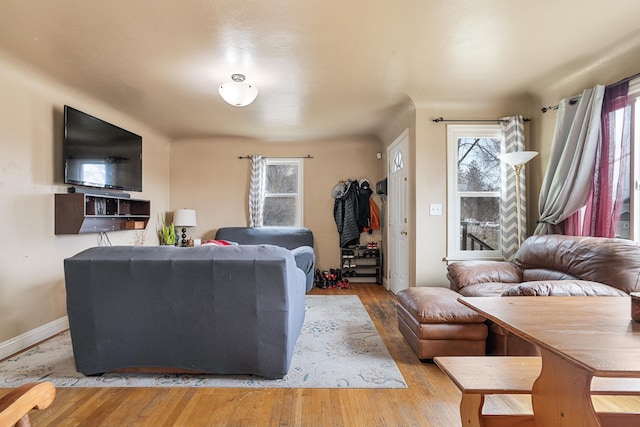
[(434, 323)]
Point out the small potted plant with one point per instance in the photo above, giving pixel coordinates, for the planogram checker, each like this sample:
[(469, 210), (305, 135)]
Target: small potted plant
[(168, 234)]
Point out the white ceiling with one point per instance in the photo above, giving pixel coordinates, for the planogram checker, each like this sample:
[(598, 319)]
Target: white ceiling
[(323, 67)]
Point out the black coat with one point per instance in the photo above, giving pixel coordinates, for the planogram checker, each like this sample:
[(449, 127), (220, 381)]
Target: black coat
[(364, 210), (346, 214)]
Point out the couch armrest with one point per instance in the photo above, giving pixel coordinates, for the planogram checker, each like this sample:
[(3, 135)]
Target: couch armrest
[(305, 261), (465, 273)]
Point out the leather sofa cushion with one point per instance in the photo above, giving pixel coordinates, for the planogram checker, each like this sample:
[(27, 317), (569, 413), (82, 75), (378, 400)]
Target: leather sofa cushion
[(615, 262), (466, 273), (490, 289), (563, 288), (537, 274), (436, 305)]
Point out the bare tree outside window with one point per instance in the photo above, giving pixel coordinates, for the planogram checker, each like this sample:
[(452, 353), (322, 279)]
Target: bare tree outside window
[(282, 178), (474, 187), (478, 164), (283, 200), (478, 189)]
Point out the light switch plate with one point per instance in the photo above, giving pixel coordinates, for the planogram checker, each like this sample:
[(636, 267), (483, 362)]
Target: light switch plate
[(435, 209)]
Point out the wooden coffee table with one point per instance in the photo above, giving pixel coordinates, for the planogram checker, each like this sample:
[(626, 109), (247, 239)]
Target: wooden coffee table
[(579, 338)]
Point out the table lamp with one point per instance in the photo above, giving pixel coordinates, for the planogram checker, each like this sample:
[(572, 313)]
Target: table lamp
[(184, 218), (517, 159)]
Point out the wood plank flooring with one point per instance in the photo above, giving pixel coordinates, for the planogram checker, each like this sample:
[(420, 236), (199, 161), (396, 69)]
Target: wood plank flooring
[(431, 399)]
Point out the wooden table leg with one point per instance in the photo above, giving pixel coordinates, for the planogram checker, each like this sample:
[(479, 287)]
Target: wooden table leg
[(561, 395), (471, 410)]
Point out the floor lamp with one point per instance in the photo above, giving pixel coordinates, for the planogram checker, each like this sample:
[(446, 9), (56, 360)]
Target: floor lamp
[(517, 159), (184, 218)]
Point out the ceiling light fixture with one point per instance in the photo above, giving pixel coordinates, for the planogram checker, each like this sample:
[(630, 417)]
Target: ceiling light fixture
[(237, 92)]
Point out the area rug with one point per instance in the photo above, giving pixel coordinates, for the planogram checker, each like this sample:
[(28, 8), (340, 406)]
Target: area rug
[(339, 347)]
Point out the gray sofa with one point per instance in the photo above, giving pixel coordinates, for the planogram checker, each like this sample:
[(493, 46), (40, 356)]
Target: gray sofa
[(297, 239), (213, 309)]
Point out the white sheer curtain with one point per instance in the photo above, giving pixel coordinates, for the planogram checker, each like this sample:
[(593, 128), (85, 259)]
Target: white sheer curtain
[(569, 174), (513, 137), (256, 190)]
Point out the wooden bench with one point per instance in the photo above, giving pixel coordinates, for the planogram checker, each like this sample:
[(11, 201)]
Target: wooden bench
[(15, 406), (477, 377)]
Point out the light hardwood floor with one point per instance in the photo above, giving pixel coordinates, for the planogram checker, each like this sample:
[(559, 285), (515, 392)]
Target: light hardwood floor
[(430, 400)]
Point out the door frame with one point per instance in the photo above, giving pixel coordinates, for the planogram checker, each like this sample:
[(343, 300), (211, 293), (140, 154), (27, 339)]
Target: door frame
[(402, 139)]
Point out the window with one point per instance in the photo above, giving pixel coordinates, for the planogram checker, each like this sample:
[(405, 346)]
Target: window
[(623, 226), (283, 193), (398, 162), (626, 157), (629, 225), (474, 184)]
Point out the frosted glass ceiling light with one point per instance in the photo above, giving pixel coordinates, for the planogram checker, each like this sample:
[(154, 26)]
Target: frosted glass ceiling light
[(237, 92)]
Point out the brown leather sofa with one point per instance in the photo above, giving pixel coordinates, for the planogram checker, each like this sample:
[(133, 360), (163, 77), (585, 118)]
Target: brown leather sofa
[(550, 265)]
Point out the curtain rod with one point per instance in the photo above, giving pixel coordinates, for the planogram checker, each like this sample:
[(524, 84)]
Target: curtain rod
[(441, 119), (626, 79), (555, 107), (308, 156), (577, 98)]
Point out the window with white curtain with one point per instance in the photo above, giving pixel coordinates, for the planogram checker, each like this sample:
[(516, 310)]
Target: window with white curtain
[(474, 188), (628, 225), (283, 192)]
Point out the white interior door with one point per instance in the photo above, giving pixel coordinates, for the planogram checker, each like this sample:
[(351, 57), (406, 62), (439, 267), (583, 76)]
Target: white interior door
[(397, 217)]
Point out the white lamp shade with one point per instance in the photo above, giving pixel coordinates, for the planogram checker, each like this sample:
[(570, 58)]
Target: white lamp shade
[(517, 157), (238, 92), (184, 218)]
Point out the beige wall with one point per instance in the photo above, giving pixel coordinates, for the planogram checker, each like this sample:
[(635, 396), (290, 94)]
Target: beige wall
[(428, 152), (431, 178), (207, 175), (31, 270)]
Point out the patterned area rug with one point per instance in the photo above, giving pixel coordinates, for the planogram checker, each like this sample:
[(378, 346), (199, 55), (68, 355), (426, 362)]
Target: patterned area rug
[(339, 347)]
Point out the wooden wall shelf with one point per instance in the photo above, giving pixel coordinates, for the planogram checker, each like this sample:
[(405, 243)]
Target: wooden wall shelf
[(92, 213)]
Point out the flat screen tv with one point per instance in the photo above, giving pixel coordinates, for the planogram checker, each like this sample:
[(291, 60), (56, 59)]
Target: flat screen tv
[(99, 154)]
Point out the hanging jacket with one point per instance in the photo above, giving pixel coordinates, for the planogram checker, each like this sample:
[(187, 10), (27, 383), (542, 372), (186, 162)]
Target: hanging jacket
[(375, 216), (364, 213), (345, 212)]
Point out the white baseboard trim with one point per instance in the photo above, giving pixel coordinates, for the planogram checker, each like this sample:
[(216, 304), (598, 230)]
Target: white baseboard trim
[(34, 336)]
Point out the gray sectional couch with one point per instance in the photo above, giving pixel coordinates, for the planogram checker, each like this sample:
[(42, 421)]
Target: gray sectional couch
[(297, 239), (215, 309)]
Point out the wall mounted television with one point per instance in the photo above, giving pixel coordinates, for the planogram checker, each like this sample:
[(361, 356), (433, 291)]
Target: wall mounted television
[(99, 154)]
